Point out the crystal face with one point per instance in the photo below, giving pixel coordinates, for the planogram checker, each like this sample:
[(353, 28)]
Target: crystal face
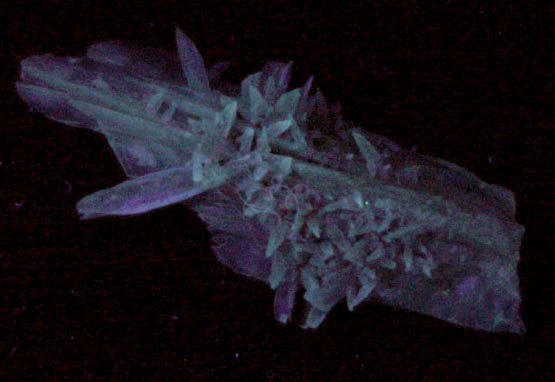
[(347, 215)]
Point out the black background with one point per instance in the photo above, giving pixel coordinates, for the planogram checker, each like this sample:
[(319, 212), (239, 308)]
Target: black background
[(143, 298)]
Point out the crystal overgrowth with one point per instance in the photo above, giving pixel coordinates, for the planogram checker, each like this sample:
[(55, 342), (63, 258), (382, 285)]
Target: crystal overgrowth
[(293, 194)]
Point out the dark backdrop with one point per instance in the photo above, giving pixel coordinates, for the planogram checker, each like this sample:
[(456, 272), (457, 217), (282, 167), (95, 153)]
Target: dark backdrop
[(143, 297)]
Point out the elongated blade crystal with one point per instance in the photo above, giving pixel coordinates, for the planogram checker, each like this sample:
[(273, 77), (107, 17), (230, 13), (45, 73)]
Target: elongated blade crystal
[(293, 194), (191, 63)]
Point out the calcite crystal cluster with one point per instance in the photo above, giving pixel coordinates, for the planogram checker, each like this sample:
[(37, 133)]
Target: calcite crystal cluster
[(292, 193)]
